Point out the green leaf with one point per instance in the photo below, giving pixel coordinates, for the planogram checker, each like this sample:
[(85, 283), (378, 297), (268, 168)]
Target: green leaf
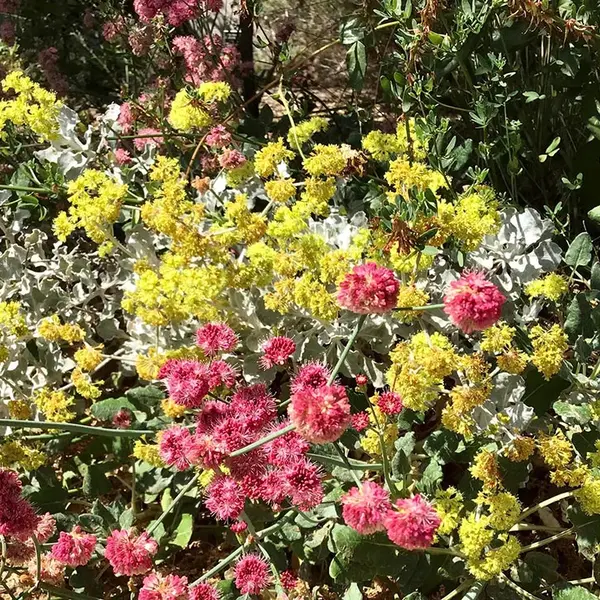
[(183, 531), (401, 463), (579, 318), (544, 566), (444, 444), (145, 397), (567, 591), (351, 31), (105, 410), (353, 592), (540, 393), (587, 531), (594, 214), (356, 60), (95, 482), (595, 279), (226, 589), (126, 519), (580, 251), (580, 413), (431, 477)]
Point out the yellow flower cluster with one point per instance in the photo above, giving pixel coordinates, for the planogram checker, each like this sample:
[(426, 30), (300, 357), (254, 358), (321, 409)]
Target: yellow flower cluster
[(172, 409), (51, 329), (485, 468), (549, 346), (12, 320), (33, 106), (56, 405), (96, 200), (267, 159), (380, 432), (88, 358), (326, 159), (15, 454), (382, 146), (503, 508), (410, 296), (148, 453), (552, 286), (19, 409), (403, 176), (84, 386), (498, 339), (589, 496), (556, 450), (419, 366), (214, 91), (448, 505), (520, 448), (456, 415), (280, 190), (188, 113), (302, 132)]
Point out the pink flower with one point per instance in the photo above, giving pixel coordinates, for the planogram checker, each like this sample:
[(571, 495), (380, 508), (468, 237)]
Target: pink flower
[(125, 119), (203, 450), (218, 137), (148, 135), (473, 303), (412, 523), (231, 158), (320, 415), (45, 528), (220, 374), (365, 508), (187, 381), (362, 379), (52, 571), (312, 375), (303, 482), (17, 516), (204, 591), (289, 580), (238, 526), (173, 447), (215, 338), (252, 574), (360, 421), (277, 351), (369, 288), (213, 411), (122, 419), (286, 448), (122, 156), (224, 498), (390, 403), (112, 29), (74, 549), (164, 587), (254, 405), (273, 488), (129, 554)]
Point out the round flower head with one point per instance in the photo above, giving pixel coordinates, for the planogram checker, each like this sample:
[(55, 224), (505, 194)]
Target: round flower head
[(74, 549), (365, 508), (225, 498), (252, 574), (311, 375), (320, 415), (130, 554), (303, 483), (412, 523), (360, 421), (173, 447), (204, 591), (187, 381), (368, 289), (215, 338), (17, 516), (164, 587), (277, 351), (390, 403), (473, 303)]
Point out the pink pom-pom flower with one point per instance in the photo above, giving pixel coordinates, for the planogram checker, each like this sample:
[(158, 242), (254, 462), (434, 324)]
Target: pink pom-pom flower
[(74, 549), (360, 421), (17, 516), (473, 303), (130, 554), (312, 375), (188, 381), (252, 574), (173, 447), (320, 415), (365, 508), (368, 289), (390, 403), (277, 351), (215, 338), (164, 587), (225, 498), (412, 523), (204, 591)]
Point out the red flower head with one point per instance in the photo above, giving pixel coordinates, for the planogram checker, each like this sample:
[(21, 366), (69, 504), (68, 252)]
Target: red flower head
[(473, 303), (129, 554), (74, 549), (204, 591), (224, 498), (303, 482), (173, 447), (215, 338), (164, 587), (277, 351), (320, 415), (368, 289), (412, 523), (286, 448), (365, 508), (360, 421), (362, 379), (238, 527), (289, 580), (220, 374), (390, 403), (17, 516), (252, 574), (187, 381), (311, 375), (253, 406)]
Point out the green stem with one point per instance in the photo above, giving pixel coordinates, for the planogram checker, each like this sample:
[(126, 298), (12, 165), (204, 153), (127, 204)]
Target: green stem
[(133, 433), (421, 308), (346, 463), (461, 588), (188, 486), (24, 188), (346, 350), (350, 464), (547, 502), (523, 593), (263, 440), (548, 540)]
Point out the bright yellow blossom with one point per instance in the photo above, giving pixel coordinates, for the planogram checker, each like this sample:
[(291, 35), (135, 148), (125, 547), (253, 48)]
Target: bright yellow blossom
[(549, 346), (552, 286)]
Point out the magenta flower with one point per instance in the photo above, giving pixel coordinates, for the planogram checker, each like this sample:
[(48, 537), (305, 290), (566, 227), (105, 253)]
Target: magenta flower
[(368, 289), (130, 554), (365, 508), (164, 587), (215, 338), (412, 523), (74, 549), (252, 574), (277, 351)]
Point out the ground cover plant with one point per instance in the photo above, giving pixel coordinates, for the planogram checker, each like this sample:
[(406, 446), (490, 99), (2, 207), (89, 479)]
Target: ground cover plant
[(255, 343)]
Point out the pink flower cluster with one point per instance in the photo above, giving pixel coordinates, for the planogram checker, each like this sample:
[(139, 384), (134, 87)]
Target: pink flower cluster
[(277, 351), (410, 522), (17, 517), (252, 574), (368, 289), (21, 549), (208, 59), (157, 586), (130, 554), (74, 549), (48, 60), (390, 403), (473, 303)]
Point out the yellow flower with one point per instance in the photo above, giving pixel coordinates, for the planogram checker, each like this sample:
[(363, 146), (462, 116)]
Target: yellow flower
[(497, 338), (172, 409), (267, 159), (589, 496), (549, 347), (15, 454), (496, 560), (381, 146), (51, 329), (12, 320), (148, 453), (404, 176), (556, 450), (520, 449), (280, 190), (214, 91), (504, 510), (187, 113), (474, 535), (328, 160), (303, 131), (19, 409), (552, 286), (88, 358), (573, 475), (84, 386), (513, 361), (148, 365), (55, 405), (485, 468), (410, 295), (448, 505)]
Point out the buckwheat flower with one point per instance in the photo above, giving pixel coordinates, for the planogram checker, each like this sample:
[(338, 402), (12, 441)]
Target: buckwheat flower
[(368, 289), (289, 580), (312, 375), (549, 347), (125, 119), (204, 591), (485, 468), (238, 527), (51, 570), (252, 574), (122, 419), (412, 523), (552, 286), (128, 553), (224, 498), (203, 450), (218, 137), (303, 482), (173, 447), (360, 421), (276, 351), (556, 450), (231, 158), (390, 403), (17, 516), (361, 379), (320, 415), (220, 374), (45, 528), (286, 448), (187, 381), (215, 338), (254, 405), (365, 507), (589, 496), (473, 303), (164, 587), (74, 549), (122, 156)]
